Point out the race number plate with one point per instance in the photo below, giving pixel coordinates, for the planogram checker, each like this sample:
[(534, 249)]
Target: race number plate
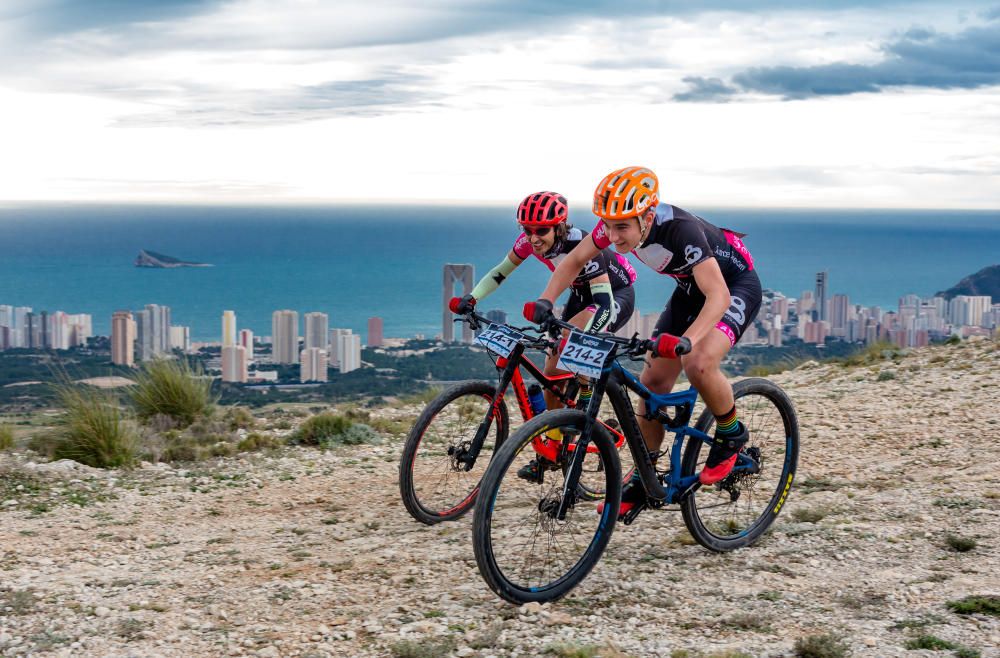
[(499, 339), (584, 354)]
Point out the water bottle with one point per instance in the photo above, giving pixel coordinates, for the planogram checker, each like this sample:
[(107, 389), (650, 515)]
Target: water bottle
[(536, 399)]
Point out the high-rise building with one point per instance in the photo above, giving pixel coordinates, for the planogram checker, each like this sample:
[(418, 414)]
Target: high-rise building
[(32, 332), (335, 343), (234, 364), (19, 335), (156, 327), (317, 325), (313, 365), (123, 332), (59, 331), (180, 338), (968, 310), (839, 312), (144, 335), (228, 328), (375, 332), (821, 284), (80, 328), (350, 352), (245, 340), (496, 316), (6, 315), (285, 337), (455, 274)]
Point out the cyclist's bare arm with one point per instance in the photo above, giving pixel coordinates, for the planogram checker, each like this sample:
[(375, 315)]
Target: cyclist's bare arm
[(711, 283), (569, 268)]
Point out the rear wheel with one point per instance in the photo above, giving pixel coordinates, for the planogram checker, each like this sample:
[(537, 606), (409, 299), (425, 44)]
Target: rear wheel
[(736, 511), (433, 481), (524, 552)]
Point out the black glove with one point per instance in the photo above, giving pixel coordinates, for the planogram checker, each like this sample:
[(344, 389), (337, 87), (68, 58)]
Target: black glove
[(462, 305), (538, 311)]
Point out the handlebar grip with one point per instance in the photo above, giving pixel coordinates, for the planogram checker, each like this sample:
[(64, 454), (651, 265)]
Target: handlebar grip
[(453, 305), (667, 346)]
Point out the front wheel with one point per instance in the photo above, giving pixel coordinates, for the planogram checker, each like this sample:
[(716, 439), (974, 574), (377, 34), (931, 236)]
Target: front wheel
[(736, 511), (433, 481), (523, 550)]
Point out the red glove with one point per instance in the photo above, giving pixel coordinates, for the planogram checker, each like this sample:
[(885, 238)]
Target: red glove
[(462, 305), (671, 347), (537, 311)]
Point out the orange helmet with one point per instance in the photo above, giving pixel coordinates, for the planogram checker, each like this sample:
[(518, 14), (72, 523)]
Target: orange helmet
[(626, 193)]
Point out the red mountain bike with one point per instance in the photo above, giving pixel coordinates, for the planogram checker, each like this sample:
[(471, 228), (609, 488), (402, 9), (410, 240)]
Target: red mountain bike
[(453, 440)]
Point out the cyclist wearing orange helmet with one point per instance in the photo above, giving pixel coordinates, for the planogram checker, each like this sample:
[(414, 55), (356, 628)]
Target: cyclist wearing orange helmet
[(717, 297), (602, 296)]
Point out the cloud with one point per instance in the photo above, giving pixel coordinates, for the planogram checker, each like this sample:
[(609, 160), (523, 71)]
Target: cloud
[(705, 89), (919, 58)]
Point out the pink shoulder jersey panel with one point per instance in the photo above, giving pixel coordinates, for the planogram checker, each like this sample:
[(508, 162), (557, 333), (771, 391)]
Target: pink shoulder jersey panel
[(600, 236), (741, 248), (627, 266), (522, 248)]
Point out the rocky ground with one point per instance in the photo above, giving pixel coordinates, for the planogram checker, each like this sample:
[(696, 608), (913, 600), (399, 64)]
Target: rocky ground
[(311, 553)]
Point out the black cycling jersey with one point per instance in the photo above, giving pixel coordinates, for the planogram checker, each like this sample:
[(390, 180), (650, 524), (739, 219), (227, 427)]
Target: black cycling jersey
[(678, 241)]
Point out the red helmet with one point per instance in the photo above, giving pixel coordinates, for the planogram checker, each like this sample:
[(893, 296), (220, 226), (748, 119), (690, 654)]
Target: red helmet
[(542, 209)]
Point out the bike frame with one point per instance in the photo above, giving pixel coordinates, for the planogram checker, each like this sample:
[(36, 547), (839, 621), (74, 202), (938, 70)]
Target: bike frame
[(510, 373), (674, 487)]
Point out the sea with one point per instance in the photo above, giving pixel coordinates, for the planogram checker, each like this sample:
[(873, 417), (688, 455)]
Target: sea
[(354, 262)]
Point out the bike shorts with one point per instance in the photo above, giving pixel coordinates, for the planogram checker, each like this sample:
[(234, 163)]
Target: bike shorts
[(623, 299), (682, 309)]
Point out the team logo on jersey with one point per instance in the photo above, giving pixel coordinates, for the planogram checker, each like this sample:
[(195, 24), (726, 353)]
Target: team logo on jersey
[(591, 267), (692, 254), (737, 310)]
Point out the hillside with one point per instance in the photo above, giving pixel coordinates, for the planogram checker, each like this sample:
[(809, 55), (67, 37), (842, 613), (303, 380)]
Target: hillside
[(309, 553), (984, 282)]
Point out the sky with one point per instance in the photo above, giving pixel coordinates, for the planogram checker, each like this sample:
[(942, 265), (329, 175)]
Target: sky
[(733, 103)]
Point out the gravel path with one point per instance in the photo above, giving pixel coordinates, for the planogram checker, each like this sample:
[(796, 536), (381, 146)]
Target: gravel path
[(310, 553)]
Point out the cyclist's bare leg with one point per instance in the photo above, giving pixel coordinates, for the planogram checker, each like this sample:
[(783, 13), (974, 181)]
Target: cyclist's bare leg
[(702, 369), (659, 376), (579, 320)]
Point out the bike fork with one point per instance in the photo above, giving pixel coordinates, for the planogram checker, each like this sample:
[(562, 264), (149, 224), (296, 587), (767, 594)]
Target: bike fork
[(468, 458)]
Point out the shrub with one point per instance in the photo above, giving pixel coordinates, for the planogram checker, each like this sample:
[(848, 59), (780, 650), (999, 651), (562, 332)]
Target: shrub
[(94, 430), (984, 605), (171, 388), (929, 642), (960, 544), (953, 339), (886, 375), (255, 441), (321, 428), (820, 646), (355, 435), (239, 418), (6, 437)]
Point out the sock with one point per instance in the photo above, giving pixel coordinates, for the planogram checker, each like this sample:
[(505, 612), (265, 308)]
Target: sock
[(584, 399), (727, 424)]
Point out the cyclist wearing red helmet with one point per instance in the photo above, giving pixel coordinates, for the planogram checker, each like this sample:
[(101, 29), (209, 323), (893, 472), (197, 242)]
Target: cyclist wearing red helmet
[(717, 297), (601, 294)]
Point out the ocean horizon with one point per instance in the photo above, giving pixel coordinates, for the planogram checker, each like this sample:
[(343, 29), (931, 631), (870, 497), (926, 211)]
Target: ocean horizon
[(358, 261)]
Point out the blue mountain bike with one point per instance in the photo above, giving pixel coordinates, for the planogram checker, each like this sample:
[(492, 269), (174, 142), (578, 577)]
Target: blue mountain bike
[(535, 541)]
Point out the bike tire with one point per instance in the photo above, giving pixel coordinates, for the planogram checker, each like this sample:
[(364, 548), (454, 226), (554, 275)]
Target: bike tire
[(433, 487), (508, 505), (720, 526)]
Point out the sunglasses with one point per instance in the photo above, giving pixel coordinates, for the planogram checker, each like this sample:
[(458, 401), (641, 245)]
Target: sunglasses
[(541, 231)]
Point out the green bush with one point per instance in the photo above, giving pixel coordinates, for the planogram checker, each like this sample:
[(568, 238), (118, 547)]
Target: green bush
[(171, 388), (960, 544), (239, 418), (94, 430), (953, 339), (820, 646), (984, 605), (320, 429), (255, 441), (355, 435), (886, 375), (929, 642), (6, 437)]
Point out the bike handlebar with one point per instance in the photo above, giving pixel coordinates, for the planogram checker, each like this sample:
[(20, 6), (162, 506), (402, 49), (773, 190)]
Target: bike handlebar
[(663, 345)]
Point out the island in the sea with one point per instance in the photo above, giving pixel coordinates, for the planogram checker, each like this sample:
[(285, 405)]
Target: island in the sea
[(153, 259)]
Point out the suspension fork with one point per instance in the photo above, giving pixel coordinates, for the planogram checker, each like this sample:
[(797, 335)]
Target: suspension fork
[(568, 498), (468, 460)]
